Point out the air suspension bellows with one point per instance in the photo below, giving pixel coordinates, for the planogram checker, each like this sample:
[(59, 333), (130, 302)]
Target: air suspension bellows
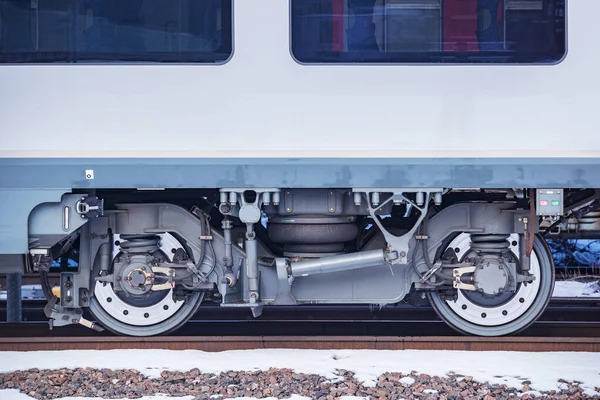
[(489, 243), (312, 236), (140, 243)]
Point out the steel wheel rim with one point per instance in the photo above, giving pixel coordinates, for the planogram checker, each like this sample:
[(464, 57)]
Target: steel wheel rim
[(506, 312), (130, 314)]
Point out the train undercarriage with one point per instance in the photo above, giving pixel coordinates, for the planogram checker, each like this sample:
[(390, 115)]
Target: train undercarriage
[(148, 259)]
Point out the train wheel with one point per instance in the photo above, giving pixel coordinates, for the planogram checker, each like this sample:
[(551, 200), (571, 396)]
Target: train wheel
[(155, 313), (508, 313)]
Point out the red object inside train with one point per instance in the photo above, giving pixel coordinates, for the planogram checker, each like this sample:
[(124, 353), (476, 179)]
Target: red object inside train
[(459, 24)]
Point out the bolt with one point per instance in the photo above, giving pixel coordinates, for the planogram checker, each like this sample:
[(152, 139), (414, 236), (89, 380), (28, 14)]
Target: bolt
[(504, 312), (165, 307), (68, 299), (65, 317), (514, 243), (457, 250), (125, 312), (483, 315), (521, 300), (402, 254), (146, 315), (464, 306)]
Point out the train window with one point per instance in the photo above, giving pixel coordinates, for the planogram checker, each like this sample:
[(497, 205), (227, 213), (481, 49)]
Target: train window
[(428, 31), (122, 31)]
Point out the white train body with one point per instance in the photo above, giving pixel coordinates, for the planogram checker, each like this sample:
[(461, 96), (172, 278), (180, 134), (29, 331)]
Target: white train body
[(262, 103), (274, 152)]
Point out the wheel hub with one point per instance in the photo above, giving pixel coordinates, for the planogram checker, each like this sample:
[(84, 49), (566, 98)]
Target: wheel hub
[(137, 280), (491, 277)]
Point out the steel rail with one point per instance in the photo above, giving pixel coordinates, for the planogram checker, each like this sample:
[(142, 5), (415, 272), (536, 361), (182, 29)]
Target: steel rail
[(220, 343)]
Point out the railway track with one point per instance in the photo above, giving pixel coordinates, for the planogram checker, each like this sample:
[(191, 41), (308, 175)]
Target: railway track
[(563, 318), (222, 343)]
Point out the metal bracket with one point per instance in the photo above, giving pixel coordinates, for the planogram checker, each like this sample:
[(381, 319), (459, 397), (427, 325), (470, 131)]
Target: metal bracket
[(169, 272), (436, 267), (525, 278), (284, 289), (248, 212), (398, 243), (61, 316), (90, 207), (457, 273)]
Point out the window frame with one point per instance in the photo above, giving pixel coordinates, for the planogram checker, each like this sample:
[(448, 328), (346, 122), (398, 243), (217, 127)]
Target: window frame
[(96, 63), (437, 63)]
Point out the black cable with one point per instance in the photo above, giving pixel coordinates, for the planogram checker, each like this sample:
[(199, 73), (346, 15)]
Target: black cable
[(577, 214)]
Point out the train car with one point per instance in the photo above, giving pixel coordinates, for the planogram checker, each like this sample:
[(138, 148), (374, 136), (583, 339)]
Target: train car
[(281, 152)]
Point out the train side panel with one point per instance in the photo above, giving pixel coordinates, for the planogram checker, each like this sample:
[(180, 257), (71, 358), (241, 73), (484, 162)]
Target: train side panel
[(262, 103)]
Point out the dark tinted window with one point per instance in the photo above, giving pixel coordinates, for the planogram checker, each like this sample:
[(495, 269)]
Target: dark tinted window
[(428, 31), (115, 31)]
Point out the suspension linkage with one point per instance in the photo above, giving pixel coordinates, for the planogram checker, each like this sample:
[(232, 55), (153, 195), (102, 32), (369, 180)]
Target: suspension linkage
[(150, 278)]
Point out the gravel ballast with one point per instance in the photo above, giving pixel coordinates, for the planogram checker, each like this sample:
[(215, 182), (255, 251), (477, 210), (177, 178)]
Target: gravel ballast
[(278, 383)]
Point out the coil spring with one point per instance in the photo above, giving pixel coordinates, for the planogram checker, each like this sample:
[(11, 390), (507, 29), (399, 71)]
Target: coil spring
[(488, 243), (139, 243)]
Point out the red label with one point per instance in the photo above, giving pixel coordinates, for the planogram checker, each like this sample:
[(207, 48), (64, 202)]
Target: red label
[(543, 202)]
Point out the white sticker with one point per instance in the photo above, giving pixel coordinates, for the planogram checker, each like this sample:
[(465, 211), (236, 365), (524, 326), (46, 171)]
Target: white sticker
[(89, 174)]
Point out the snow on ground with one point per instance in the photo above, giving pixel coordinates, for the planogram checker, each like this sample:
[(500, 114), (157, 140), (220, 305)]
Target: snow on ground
[(576, 289), (510, 368)]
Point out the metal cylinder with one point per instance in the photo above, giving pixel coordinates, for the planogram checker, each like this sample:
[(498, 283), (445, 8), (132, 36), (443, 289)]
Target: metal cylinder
[(233, 198), (266, 198), (252, 268), (357, 198), (228, 258), (224, 197), (437, 198), (420, 198), (524, 261), (13, 298), (105, 252), (276, 198), (375, 199), (344, 262)]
